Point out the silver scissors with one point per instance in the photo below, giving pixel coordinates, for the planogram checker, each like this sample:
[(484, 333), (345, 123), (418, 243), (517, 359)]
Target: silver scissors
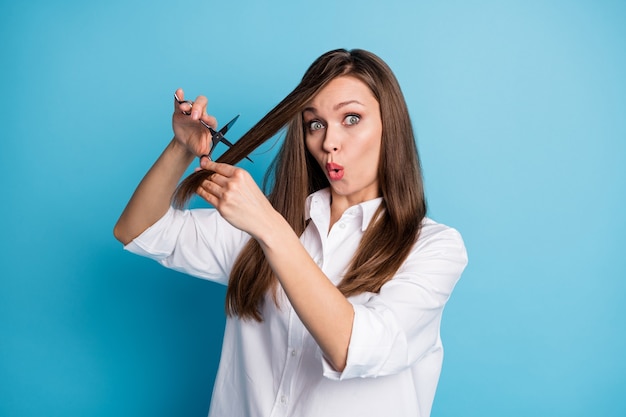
[(216, 136)]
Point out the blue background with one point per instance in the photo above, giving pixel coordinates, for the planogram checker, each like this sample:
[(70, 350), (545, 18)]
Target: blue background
[(520, 113)]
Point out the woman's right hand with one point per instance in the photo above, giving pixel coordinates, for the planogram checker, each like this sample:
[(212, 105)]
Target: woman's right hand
[(188, 130)]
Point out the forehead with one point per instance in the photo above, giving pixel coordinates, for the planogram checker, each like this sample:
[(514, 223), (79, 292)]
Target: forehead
[(343, 89)]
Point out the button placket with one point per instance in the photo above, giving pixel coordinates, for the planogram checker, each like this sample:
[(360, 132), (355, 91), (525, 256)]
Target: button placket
[(290, 372)]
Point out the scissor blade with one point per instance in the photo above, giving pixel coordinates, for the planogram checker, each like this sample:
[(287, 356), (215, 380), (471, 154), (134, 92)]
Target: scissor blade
[(218, 137), (228, 125), (221, 138)]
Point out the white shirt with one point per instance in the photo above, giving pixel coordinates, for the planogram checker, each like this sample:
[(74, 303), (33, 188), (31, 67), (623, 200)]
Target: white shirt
[(275, 368)]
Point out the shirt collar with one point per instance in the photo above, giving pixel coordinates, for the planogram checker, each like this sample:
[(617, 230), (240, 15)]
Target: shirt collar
[(320, 201)]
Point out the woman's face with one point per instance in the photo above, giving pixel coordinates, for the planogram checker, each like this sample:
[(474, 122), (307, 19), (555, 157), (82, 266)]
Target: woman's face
[(343, 131)]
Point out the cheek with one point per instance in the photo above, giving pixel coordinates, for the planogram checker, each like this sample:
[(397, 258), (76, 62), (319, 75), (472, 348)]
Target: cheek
[(373, 158), (373, 146)]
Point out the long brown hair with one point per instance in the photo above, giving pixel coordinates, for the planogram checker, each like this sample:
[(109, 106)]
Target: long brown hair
[(388, 240)]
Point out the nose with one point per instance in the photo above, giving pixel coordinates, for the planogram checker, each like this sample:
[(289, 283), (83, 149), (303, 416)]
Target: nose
[(332, 139)]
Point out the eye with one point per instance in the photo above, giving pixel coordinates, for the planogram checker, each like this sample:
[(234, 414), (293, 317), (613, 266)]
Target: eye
[(352, 119), (315, 125)]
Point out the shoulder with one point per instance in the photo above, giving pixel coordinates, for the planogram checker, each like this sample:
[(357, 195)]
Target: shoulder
[(431, 229), (437, 241)]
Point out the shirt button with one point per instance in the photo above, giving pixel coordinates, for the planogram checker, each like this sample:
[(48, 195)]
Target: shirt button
[(342, 225), (283, 399), (293, 352)]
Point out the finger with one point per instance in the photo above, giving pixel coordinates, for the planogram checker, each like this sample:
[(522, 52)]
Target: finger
[(205, 162), (219, 180), (180, 103), (199, 107), (180, 94), (225, 170), (209, 189), (210, 120), (203, 193), (202, 157)]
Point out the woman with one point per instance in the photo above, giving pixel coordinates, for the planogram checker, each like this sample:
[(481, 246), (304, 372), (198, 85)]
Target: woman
[(336, 280)]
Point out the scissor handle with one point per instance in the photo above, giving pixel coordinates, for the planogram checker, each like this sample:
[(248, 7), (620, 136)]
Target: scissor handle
[(179, 101), (216, 137)]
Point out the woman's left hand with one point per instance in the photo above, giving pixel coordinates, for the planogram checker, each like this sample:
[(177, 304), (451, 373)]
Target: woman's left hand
[(235, 194)]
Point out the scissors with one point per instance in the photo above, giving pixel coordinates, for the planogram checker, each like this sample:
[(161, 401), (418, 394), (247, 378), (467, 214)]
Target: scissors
[(216, 136)]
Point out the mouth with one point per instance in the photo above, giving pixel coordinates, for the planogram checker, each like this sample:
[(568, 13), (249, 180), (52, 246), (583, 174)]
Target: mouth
[(334, 171)]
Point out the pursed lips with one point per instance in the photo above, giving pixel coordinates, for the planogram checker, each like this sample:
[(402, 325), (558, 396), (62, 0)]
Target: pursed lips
[(335, 171)]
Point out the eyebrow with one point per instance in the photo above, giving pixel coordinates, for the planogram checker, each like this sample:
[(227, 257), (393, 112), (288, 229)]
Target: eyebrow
[(345, 103), (336, 106)]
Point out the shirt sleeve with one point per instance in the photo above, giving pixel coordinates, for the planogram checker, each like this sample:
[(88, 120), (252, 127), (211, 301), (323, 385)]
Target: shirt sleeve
[(198, 242), (399, 326)]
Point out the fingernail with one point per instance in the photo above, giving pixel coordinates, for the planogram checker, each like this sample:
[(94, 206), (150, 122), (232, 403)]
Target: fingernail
[(195, 114)]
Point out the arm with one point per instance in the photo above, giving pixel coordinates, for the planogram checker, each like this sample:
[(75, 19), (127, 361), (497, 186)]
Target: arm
[(375, 334), (372, 334), (151, 199), (399, 326), (323, 309)]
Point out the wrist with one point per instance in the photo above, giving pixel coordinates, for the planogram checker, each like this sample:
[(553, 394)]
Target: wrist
[(276, 232), (181, 150)]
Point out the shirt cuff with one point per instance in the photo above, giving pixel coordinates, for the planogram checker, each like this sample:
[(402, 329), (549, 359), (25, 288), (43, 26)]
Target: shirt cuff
[(376, 338)]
